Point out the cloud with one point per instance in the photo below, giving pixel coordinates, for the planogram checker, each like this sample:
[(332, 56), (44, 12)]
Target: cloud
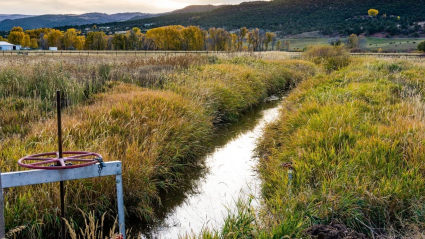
[(38, 7)]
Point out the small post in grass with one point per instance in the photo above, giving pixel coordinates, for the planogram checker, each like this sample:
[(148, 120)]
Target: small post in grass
[(2, 232)]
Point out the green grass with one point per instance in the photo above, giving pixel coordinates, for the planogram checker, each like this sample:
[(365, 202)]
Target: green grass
[(372, 43), (155, 115)]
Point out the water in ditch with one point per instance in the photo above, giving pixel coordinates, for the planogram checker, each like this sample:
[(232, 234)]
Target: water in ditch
[(207, 195)]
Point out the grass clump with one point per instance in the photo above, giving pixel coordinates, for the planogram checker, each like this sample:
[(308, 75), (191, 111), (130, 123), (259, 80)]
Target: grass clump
[(331, 57)]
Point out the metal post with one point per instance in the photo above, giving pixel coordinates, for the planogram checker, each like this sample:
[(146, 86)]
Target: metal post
[(2, 232), (120, 202), (62, 191)]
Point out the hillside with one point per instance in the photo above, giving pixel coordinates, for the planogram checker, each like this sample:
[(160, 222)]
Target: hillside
[(196, 8), (188, 9), (12, 16), (290, 16), (63, 20)]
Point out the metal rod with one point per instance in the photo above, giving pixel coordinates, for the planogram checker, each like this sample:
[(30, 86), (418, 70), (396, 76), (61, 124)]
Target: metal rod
[(58, 107), (120, 205), (62, 191), (2, 232)]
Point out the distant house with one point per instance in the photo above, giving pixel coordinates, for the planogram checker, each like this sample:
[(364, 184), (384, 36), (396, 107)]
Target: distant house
[(6, 46), (53, 48)]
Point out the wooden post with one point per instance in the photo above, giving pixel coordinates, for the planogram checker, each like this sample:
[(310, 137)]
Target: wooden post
[(2, 232)]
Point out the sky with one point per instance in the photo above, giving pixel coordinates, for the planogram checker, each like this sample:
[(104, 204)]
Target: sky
[(39, 7)]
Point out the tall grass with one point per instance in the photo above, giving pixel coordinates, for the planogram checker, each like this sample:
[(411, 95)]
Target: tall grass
[(355, 138), (157, 132), (230, 87), (28, 84)]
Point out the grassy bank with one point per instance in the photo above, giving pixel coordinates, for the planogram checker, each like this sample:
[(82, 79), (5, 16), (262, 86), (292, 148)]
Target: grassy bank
[(156, 116), (355, 140)]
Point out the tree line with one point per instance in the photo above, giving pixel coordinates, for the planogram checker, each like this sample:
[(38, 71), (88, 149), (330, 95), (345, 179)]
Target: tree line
[(162, 38)]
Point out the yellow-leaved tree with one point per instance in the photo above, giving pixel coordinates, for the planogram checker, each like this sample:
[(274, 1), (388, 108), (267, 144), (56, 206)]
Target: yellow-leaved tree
[(54, 38), (16, 36), (69, 38), (373, 12)]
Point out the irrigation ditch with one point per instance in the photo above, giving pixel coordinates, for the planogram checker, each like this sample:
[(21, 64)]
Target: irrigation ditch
[(210, 194)]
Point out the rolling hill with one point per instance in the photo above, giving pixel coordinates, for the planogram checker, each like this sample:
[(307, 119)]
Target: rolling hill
[(290, 16), (42, 21), (197, 8), (12, 16)]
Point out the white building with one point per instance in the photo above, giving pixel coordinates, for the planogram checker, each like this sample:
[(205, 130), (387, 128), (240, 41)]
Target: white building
[(6, 46), (53, 48)]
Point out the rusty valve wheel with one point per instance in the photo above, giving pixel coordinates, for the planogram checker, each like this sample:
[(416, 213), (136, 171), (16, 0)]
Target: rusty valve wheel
[(73, 160)]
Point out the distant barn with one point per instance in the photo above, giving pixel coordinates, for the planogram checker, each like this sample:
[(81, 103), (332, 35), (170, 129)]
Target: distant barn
[(6, 46)]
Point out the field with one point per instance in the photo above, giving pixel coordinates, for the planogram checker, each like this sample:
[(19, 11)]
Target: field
[(157, 115), (372, 44), (351, 131)]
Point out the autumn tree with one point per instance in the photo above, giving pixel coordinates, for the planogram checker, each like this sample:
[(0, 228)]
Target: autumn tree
[(26, 42), (95, 41), (234, 44), (55, 38), (287, 45), (241, 35), (352, 41), (133, 39), (79, 42), (166, 38), (43, 41), (254, 39), (373, 12), (192, 38), (16, 36), (279, 45), (218, 38), (99, 41), (35, 33), (269, 38), (33, 43), (118, 42), (69, 38)]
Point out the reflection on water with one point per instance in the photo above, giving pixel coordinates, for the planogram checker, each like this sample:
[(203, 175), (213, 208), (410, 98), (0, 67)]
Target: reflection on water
[(209, 193)]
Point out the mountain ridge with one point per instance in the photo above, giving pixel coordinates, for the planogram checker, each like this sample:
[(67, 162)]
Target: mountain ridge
[(56, 20), (289, 16)]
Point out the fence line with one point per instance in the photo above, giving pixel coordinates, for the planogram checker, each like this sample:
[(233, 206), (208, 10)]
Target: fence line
[(170, 53), (92, 53)]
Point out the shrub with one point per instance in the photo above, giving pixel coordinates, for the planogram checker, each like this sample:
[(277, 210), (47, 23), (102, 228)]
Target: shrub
[(421, 46), (331, 57)]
